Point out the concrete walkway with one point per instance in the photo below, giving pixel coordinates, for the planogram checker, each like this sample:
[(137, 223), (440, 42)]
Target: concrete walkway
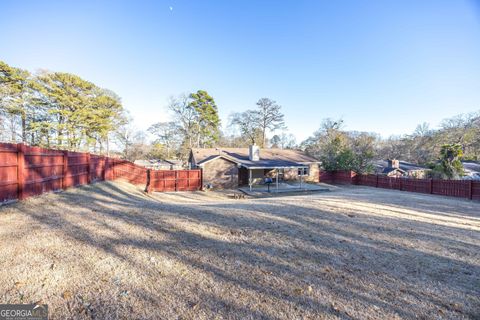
[(262, 190)]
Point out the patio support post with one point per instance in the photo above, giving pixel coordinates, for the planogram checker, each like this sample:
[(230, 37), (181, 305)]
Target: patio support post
[(301, 179), (278, 170), (250, 181)]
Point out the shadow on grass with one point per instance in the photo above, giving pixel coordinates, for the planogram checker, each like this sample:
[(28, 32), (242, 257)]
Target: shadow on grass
[(297, 246)]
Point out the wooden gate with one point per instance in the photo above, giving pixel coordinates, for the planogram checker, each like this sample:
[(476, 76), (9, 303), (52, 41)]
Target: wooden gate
[(174, 180)]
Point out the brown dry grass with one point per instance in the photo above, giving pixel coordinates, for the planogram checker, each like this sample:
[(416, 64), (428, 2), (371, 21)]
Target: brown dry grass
[(108, 251)]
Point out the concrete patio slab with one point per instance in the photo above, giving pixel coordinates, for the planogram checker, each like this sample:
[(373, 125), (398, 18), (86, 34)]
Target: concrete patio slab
[(283, 187)]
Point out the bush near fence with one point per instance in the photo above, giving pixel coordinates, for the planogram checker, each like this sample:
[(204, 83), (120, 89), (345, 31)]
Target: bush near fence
[(28, 171), (453, 188)]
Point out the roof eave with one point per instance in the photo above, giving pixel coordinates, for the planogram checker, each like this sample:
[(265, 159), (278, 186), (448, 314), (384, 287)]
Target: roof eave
[(201, 163), (273, 167)]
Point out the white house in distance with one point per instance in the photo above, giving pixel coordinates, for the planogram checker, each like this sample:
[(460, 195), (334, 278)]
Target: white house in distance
[(471, 169), (159, 164), (229, 168)]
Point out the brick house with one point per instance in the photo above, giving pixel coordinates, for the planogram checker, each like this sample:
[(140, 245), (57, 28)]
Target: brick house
[(396, 168), (229, 168)]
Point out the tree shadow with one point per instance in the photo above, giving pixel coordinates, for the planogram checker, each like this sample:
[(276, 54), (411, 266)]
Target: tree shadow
[(275, 250)]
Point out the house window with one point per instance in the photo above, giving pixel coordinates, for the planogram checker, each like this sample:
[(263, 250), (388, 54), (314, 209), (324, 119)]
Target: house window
[(303, 171)]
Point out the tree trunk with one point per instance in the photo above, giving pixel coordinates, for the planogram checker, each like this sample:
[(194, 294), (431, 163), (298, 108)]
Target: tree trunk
[(108, 147), (263, 137), (12, 129), (60, 132), (24, 127)]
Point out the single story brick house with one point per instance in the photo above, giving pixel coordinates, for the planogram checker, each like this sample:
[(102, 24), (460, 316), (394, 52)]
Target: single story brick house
[(229, 168)]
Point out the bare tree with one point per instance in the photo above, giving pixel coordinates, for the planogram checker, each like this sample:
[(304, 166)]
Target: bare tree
[(341, 150), (283, 141), (131, 142), (167, 134), (269, 117), (247, 123)]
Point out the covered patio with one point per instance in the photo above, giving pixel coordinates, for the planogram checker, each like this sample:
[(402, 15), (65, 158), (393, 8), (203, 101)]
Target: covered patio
[(270, 178), (282, 187)]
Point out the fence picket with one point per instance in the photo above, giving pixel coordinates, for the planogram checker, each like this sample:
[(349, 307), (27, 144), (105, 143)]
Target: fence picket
[(21, 171)]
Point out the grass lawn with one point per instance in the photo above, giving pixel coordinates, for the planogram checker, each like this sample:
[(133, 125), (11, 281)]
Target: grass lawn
[(108, 251)]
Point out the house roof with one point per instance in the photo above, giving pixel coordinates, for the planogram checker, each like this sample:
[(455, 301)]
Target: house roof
[(382, 165), (471, 166), (389, 170), (471, 169), (269, 158), (157, 162)]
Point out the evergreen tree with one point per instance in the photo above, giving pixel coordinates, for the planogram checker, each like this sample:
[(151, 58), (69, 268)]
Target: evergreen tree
[(208, 121), (17, 94), (57, 109)]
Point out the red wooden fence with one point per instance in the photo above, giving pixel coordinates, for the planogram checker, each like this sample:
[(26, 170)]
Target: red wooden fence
[(28, 171), (453, 188), (175, 180), (8, 172), (126, 170), (338, 177)]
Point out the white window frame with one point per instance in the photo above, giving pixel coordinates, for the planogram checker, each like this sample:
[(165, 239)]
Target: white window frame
[(303, 171)]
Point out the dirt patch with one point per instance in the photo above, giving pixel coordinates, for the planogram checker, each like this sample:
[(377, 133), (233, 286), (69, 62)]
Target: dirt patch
[(109, 251)]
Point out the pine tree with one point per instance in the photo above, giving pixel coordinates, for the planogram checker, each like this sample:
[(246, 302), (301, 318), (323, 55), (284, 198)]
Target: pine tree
[(208, 121)]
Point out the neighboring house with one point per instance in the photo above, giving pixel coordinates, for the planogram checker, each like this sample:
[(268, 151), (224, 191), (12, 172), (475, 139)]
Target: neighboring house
[(160, 164), (232, 167), (396, 168), (471, 169)]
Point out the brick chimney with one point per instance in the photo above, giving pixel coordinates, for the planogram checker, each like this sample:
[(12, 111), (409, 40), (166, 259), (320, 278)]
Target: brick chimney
[(253, 153), (393, 163)]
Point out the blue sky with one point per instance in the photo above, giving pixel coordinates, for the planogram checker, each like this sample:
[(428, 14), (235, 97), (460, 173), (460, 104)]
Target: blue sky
[(383, 66)]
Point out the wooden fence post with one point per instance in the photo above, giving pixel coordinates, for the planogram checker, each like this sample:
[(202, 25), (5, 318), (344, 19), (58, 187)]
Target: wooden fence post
[(65, 169), (176, 180), (105, 166), (201, 179), (376, 183), (89, 179), (147, 187), (108, 169), (21, 171), (470, 189), (431, 186)]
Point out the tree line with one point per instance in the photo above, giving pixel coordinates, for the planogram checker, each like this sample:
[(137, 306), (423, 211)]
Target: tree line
[(441, 149), (62, 110), (196, 124), (57, 110)]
